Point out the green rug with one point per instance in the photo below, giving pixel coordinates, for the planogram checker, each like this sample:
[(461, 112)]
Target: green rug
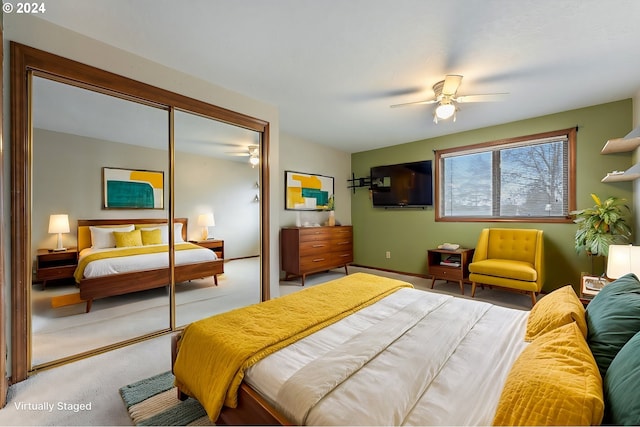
[(154, 402)]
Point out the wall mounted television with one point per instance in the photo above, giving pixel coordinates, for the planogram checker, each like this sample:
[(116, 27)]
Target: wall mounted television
[(402, 185)]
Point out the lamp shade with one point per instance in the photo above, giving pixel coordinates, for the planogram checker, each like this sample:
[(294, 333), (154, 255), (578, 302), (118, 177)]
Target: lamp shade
[(623, 259), (206, 220), (59, 223), (445, 110)]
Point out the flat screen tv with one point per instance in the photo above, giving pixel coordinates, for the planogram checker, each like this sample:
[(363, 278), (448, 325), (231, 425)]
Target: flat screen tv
[(402, 185)]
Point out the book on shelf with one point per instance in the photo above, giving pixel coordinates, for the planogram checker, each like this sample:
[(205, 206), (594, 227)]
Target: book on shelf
[(450, 264), (451, 261)]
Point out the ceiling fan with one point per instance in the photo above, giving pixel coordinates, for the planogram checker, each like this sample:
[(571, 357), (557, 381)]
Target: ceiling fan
[(445, 96), (253, 151)]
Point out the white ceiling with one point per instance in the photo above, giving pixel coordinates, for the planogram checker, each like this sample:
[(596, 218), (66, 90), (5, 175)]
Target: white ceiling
[(333, 67)]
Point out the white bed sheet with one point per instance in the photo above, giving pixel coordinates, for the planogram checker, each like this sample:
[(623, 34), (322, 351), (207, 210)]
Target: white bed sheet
[(447, 369), (126, 264)]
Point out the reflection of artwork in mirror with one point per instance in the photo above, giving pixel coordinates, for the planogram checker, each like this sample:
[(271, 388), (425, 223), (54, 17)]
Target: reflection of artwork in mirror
[(304, 191), (132, 189)]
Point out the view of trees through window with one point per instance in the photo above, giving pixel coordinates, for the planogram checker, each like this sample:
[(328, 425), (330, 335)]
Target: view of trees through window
[(524, 178)]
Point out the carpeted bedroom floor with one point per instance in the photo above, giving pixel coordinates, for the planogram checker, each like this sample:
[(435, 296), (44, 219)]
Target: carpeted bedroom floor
[(86, 392)]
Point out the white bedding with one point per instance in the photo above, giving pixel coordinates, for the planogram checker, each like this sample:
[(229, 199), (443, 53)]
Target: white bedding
[(413, 358), (126, 264)]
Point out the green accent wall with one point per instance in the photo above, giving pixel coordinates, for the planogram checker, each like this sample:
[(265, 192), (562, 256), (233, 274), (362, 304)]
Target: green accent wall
[(409, 233)]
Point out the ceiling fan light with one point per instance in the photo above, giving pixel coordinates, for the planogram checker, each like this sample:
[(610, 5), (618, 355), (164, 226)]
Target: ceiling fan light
[(254, 160), (444, 111)]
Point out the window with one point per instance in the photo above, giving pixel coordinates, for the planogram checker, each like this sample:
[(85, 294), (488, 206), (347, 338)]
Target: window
[(528, 179)]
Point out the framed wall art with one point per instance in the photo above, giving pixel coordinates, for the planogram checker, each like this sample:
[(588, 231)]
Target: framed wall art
[(132, 189), (307, 192)]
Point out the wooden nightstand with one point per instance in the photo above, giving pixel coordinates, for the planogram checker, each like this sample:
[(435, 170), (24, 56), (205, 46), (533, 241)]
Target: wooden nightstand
[(56, 265), (441, 266), (215, 245)]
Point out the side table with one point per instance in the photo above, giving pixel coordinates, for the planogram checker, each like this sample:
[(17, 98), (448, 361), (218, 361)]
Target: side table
[(450, 265), (215, 245), (55, 265)]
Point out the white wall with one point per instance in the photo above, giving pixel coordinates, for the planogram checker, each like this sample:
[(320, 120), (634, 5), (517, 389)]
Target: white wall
[(303, 156), (67, 179)]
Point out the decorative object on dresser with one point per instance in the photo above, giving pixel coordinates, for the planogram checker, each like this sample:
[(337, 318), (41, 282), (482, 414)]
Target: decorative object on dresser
[(58, 224), (205, 221), (306, 250), (307, 192), (56, 265), (447, 264)]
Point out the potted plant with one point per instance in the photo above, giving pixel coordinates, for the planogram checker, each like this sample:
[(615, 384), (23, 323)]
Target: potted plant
[(601, 225)]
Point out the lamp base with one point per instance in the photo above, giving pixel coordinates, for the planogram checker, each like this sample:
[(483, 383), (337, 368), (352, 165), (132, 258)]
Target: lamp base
[(58, 249)]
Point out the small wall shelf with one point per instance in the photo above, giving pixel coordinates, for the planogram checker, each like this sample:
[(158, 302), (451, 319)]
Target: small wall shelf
[(623, 145), (620, 145)]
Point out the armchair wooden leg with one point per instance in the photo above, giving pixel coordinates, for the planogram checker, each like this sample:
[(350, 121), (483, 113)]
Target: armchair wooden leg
[(533, 298), (473, 289)]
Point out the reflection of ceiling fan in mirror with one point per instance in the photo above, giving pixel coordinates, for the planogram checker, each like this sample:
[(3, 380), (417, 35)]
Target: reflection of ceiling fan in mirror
[(252, 151), (446, 97)]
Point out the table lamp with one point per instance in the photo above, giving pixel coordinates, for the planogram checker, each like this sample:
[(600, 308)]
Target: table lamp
[(205, 221), (59, 224), (623, 259)]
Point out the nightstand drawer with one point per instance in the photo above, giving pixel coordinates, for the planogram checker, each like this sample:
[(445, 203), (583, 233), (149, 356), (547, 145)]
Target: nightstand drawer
[(53, 273)]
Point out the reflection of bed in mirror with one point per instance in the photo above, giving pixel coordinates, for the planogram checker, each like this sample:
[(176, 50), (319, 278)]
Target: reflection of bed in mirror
[(105, 270)]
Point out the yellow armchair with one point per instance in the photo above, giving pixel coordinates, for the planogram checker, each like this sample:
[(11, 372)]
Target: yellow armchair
[(509, 258)]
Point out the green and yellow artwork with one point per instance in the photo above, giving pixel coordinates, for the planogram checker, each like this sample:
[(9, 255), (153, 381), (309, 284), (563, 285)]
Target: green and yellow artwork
[(132, 189), (305, 191)]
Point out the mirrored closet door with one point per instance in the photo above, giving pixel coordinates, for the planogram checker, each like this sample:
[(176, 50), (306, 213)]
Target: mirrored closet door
[(217, 187), (102, 163), (83, 141)]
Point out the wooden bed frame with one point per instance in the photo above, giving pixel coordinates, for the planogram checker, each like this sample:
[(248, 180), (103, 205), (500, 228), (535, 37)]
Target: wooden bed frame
[(252, 408), (124, 283)]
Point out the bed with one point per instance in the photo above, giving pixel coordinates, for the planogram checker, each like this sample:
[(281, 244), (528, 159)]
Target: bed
[(367, 350), (96, 278)]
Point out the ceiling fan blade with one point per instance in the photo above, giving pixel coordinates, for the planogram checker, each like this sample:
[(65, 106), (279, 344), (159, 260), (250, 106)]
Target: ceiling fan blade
[(431, 101), (451, 84), (238, 154), (487, 97)]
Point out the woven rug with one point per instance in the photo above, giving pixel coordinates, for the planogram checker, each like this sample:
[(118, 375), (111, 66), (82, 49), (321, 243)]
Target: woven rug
[(154, 402)]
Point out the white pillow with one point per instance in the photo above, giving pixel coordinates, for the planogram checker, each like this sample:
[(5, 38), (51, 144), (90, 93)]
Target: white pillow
[(164, 232), (102, 237)]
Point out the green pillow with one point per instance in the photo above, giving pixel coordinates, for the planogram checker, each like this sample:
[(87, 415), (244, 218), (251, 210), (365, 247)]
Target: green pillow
[(613, 317), (622, 385)]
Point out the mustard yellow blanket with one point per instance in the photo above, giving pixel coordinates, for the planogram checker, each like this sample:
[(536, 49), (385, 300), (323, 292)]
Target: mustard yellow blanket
[(134, 250), (215, 352)]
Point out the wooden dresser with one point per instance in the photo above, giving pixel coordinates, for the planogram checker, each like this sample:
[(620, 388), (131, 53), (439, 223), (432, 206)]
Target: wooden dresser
[(305, 250)]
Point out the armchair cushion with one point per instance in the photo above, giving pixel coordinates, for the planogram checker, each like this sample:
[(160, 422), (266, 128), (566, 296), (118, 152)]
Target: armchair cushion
[(518, 270)]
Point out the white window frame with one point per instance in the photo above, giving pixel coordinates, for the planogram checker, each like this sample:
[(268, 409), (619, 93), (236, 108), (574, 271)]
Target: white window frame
[(568, 135)]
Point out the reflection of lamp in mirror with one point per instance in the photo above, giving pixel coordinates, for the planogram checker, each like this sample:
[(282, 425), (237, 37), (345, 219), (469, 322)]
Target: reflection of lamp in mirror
[(623, 259), (205, 221), (254, 155), (59, 224)]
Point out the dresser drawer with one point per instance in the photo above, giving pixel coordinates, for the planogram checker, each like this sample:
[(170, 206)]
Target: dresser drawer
[(341, 233), (315, 247), (341, 258), (313, 234), (317, 262)]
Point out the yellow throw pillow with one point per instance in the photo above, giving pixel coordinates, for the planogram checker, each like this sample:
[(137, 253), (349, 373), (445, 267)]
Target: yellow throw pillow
[(555, 381), (151, 237), (125, 239), (560, 307)]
